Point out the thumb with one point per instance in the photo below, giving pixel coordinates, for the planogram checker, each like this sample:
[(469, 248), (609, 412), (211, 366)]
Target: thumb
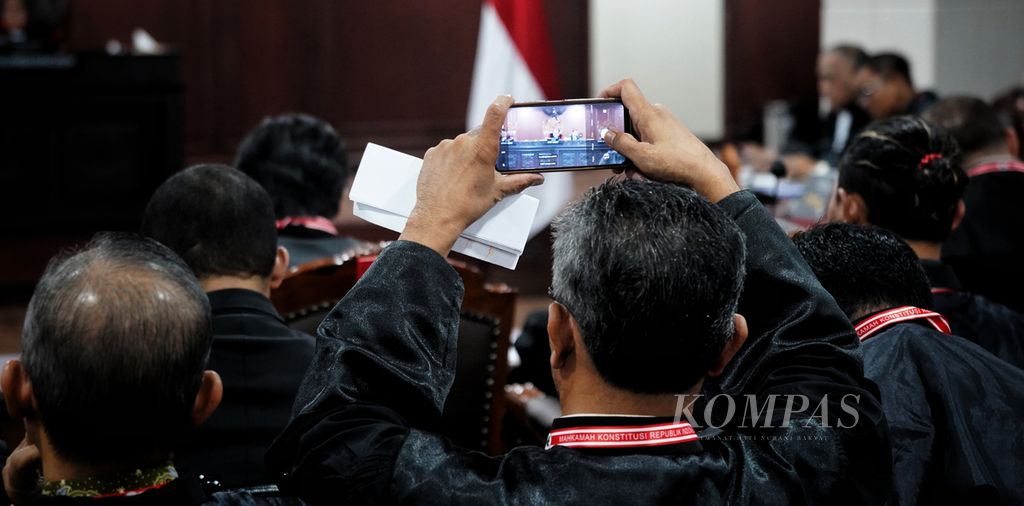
[(626, 145), (512, 184), (494, 117)]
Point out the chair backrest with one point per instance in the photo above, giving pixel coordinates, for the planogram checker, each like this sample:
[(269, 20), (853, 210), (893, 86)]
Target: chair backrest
[(475, 407), (310, 290)]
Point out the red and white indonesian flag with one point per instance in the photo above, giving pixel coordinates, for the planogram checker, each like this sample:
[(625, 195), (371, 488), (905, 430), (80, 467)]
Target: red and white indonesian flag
[(514, 57)]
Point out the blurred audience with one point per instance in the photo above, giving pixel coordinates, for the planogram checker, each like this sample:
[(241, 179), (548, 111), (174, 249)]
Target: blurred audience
[(1009, 105), (953, 408), (825, 139), (887, 87), (303, 165), (111, 379), (986, 249), (222, 223), (904, 175), (837, 84)]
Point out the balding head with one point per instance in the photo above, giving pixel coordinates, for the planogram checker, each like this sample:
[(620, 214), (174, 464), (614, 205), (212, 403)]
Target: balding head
[(114, 345)]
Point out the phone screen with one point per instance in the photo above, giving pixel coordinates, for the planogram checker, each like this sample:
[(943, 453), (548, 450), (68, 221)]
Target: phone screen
[(560, 136)]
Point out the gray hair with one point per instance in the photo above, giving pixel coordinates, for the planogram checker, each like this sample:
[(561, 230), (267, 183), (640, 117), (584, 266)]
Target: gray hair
[(115, 341), (652, 273)]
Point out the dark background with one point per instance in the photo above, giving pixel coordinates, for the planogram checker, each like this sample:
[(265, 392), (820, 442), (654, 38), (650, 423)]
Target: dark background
[(393, 71)]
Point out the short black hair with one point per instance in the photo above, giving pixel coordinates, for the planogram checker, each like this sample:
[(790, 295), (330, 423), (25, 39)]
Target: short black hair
[(889, 65), (972, 122), (854, 54), (115, 341), (218, 219), (652, 274), (300, 160), (908, 173), (1009, 106), (865, 268)]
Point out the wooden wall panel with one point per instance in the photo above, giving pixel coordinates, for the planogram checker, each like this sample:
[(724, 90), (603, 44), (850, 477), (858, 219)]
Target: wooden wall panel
[(182, 23), (771, 50), (390, 71)]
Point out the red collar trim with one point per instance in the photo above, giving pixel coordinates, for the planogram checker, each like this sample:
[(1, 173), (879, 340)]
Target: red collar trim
[(311, 222), (938, 290), (137, 491), (889, 317), (622, 437), (1000, 166)]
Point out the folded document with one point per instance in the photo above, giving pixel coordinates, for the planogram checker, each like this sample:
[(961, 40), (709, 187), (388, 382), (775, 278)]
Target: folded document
[(384, 193)]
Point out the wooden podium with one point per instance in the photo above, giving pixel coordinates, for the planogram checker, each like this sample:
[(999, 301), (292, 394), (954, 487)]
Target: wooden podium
[(84, 141)]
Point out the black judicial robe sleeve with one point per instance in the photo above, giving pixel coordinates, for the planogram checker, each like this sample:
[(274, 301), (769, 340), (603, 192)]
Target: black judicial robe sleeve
[(385, 361), (954, 411), (991, 325)]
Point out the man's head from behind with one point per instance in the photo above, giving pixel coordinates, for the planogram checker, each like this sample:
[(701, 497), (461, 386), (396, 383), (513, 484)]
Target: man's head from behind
[(866, 269), (887, 88), (902, 174), (837, 74), (301, 162), (1009, 105), (647, 277), (113, 350), (975, 125), (221, 223)]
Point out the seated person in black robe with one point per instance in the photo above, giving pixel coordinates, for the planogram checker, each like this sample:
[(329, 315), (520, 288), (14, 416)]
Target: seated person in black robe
[(111, 378), (815, 137), (222, 223), (954, 410), (887, 87), (903, 174), (986, 249), (647, 276), (303, 165)]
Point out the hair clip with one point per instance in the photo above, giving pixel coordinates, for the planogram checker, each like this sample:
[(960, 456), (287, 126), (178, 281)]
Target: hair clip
[(926, 159)]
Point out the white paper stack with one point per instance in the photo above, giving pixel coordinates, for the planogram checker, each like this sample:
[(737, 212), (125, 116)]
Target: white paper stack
[(384, 193)]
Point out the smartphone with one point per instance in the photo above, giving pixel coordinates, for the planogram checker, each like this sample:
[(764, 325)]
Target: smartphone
[(561, 135)]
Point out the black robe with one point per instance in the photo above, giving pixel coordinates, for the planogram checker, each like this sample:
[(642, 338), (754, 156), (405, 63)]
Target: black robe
[(954, 413), (991, 325), (987, 249), (385, 361), (817, 137), (261, 362)]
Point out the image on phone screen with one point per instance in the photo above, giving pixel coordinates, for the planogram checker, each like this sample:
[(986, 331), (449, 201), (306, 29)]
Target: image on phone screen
[(556, 136)]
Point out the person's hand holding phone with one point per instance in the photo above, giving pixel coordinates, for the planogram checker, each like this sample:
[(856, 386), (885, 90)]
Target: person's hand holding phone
[(666, 150), (458, 184)]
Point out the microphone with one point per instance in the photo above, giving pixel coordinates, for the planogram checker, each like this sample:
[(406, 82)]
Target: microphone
[(778, 169)]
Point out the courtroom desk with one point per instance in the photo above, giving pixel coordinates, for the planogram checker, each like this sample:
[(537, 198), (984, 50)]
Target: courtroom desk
[(565, 153), (84, 141)]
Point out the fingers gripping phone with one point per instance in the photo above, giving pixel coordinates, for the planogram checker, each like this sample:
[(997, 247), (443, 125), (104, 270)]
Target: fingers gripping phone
[(561, 135)]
